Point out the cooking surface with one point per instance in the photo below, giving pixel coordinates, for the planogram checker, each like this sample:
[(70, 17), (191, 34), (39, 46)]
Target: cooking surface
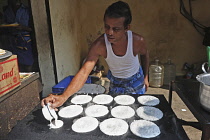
[(35, 126)]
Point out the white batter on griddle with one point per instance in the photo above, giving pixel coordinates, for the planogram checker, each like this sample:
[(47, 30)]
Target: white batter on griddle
[(124, 99), (96, 110), (103, 99), (122, 112), (114, 127), (149, 113), (81, 99), (70, 111), (144, 129), (58, 124), (85, 124), (148, 100)]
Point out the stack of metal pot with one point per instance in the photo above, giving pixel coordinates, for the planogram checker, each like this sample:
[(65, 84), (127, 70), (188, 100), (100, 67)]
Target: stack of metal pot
[(204, 91)]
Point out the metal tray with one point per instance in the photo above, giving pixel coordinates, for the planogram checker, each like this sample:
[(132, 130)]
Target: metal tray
[(7, 54)]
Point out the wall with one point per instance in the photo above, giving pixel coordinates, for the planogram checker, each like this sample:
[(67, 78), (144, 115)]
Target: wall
[(43, 45), (168, 34), (65, 28)]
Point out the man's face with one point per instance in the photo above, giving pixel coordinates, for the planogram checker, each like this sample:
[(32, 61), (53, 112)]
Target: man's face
[(114, 29)]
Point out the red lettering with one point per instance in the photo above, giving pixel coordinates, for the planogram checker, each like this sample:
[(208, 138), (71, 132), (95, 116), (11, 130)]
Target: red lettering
[(7, 75), (11, 73), (3, 76)]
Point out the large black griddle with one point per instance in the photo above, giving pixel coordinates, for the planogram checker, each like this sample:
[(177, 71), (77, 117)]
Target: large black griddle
[(34, 126)]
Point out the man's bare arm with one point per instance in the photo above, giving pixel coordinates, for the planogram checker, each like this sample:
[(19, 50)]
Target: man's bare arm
[(78, 80), (141, 48)]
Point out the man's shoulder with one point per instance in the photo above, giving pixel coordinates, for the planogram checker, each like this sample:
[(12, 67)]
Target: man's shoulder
[(101, 38), (98, 46), (100, 41), (137, 37)]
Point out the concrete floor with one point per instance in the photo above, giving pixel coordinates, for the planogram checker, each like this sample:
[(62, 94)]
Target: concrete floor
[(179, 108)]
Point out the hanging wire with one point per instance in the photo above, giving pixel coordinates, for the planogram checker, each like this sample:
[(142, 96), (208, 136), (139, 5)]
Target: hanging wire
[(198, 29), (198, 26)]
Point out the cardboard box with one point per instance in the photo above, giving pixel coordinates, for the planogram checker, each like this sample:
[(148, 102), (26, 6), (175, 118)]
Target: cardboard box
[(9, 74)]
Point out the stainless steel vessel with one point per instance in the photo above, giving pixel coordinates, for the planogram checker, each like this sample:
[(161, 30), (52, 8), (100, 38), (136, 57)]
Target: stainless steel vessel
[(204, 91)]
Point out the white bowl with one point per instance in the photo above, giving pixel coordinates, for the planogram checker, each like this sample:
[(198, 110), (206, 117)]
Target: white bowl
[(49, 113)]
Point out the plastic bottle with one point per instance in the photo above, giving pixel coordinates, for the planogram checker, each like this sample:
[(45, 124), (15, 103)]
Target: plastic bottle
[(169, 72), (156, 74)]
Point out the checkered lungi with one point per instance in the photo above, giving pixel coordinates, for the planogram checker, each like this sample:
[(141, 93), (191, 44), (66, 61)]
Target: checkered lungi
[(131, 85)]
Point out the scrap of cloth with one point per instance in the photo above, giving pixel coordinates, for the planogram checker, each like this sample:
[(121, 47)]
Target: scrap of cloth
[(130, 85)]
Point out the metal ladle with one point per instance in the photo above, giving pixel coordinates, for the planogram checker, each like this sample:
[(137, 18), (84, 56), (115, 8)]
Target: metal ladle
[(53, 119)]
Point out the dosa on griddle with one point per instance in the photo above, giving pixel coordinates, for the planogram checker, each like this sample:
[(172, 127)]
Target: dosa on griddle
[(81, 99), (144, 129), (148, 100), (70, 111), (103, 99), (114, 127), (124, 99), (85, 124), (122, 112), (96, 110), (58, 124), (149, 113)]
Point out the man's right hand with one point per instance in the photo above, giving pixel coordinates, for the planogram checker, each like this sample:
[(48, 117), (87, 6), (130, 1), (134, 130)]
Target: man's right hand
[(54, 100)]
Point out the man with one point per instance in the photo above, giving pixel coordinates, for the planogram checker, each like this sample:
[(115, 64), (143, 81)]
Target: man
[(19, 36), (120, 48)]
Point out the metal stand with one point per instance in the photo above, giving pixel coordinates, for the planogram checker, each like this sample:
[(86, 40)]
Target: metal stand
[(202, 124)]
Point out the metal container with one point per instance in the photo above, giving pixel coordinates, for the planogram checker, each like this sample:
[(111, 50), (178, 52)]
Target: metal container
[(204, 91)]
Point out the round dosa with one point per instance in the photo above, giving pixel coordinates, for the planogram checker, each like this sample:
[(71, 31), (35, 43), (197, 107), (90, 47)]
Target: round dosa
[(122, 112), (58, 124), (85, 124), (148, 100), (103, 99), (149, 113), (81, 99), (144, 129), (70, 111), (96, 110), (114, 127), (124, 99)]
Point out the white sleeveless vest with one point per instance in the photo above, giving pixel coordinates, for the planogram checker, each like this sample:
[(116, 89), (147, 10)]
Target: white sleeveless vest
[(122, 66)]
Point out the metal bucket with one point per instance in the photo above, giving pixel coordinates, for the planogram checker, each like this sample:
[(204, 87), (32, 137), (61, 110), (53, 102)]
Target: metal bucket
[(204, 91)]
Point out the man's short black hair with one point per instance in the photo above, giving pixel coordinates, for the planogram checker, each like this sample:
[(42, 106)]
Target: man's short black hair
[(119, 9)]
